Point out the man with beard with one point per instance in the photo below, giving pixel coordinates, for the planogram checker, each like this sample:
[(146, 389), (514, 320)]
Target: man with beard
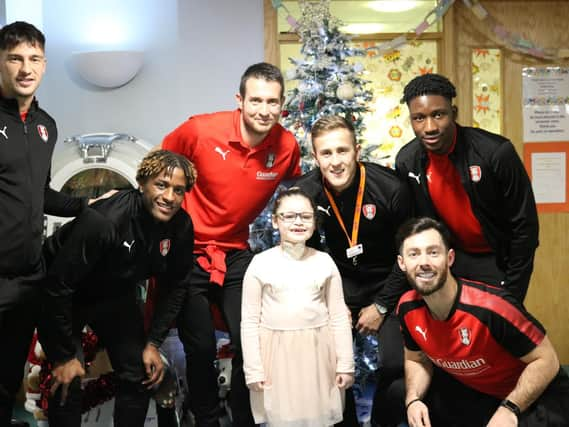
[(95, 264), (475, 183), (241, 157), (473, 355)]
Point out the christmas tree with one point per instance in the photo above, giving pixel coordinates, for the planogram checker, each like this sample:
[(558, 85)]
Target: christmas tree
[(328, 83)]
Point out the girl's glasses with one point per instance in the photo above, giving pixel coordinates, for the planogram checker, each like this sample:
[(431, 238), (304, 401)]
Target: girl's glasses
[(291, 216)]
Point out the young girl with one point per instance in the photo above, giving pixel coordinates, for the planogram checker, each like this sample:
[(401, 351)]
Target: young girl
[(295, 332)]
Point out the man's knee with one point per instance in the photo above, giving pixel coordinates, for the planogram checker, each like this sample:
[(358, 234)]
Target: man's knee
[(204, 348)]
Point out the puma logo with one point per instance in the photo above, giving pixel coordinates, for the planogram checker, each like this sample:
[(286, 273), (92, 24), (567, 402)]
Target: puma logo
[(127, 245), (221, 152), (4, 131), (321, 209), (415, 177), (422, 332)]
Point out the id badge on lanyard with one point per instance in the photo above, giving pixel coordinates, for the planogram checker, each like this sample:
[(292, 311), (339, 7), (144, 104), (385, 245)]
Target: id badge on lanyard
[(355, 248)]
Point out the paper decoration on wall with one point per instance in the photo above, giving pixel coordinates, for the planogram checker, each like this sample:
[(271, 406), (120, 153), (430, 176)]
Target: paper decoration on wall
[(432, 17), (508, 39), (511, 40)]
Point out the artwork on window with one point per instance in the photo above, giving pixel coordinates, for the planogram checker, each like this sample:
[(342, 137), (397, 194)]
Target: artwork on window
[(387, 125), (487, 89)]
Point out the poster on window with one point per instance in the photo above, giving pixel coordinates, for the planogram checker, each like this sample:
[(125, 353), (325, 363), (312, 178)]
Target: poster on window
[(545, 104)]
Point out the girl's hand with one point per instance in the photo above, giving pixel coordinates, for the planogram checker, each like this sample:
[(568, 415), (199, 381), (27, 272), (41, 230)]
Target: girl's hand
[(344, 381), (258, 386)]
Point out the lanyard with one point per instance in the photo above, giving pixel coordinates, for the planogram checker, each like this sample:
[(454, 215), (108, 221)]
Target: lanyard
[(358, 211)]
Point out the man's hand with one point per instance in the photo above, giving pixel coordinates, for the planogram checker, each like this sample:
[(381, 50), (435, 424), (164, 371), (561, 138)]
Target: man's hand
[(103, 196), (153, 365), (258, 386), (418, 414), (344, 381), (369, 320), (503, 417), (63, 374)]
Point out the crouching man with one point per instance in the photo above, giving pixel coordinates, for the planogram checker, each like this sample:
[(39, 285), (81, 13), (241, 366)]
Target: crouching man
[(473, 355), (95, 264)]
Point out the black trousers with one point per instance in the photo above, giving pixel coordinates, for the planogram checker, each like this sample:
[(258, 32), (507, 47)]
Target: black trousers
[(478, 267), (19, 309), (452, 404), (389, 398), (197, 333), (118, 323)]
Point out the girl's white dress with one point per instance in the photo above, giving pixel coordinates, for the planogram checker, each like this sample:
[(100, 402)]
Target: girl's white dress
[(296, 336)]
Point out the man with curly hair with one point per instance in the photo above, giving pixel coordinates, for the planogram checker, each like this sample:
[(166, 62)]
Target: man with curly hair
[(473, 181), (94, 266)]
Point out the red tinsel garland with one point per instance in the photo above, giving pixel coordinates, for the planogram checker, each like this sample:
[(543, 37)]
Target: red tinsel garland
[(95, 392), (98, 391)]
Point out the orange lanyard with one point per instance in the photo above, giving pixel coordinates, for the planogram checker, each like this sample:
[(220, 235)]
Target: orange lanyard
[(357, 213)]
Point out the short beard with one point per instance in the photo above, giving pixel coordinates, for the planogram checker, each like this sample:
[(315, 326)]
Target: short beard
[(250, 127), (426, 292)]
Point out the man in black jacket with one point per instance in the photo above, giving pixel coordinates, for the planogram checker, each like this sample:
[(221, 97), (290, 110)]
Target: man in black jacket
[(94, 266), (27, 139), (475, 183), (360, 206)]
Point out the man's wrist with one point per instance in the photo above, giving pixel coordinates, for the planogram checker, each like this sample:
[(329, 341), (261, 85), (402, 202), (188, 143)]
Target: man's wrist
[(511, 406), (408, 404), (381, 309)]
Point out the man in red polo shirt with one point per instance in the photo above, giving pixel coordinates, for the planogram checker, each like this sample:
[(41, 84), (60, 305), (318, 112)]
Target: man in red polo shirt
[(241, 157), (473, 355), (474, 182)]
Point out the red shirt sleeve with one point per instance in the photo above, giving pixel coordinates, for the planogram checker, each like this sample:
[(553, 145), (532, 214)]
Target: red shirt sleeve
[(183, 139)]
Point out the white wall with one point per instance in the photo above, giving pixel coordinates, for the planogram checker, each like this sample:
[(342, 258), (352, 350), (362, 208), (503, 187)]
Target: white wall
[(195, 53)]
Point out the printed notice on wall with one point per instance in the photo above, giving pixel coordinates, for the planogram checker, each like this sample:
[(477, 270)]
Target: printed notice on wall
[(547, 164), (548, 177), (546, 104)]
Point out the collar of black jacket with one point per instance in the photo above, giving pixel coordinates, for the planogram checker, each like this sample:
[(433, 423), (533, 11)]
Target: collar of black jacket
[(10, 106)]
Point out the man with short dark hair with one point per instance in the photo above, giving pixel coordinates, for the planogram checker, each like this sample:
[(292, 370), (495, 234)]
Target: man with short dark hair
[(27, 139), (473, 355), (241, 157), (360, 205), (95, 263), (475, 183)]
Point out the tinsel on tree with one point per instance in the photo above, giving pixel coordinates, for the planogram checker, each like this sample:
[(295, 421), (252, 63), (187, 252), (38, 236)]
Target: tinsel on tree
[(328, 83)]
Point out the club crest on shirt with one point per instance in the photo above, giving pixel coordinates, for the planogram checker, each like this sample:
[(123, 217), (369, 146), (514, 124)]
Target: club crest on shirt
[(475, 173), (164, 247), (369, 211), (270, 160), (465, 336), (42, 131)]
